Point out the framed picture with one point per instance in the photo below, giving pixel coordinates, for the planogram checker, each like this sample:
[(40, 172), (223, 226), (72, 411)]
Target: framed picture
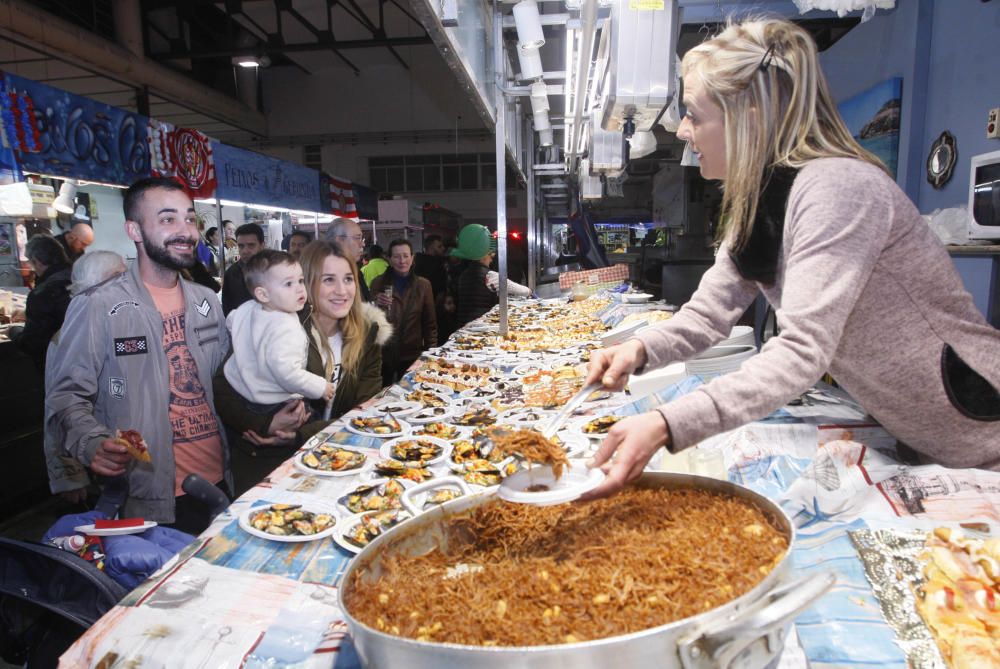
[(873, 117)]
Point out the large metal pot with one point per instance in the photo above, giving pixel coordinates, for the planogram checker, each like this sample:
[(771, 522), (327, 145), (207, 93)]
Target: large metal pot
[(746, 632)]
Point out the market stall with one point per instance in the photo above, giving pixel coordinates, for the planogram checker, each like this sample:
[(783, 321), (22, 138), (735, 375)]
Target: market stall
[(248, 594)]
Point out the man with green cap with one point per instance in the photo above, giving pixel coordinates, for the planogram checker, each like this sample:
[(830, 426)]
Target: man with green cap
[(474, 296)]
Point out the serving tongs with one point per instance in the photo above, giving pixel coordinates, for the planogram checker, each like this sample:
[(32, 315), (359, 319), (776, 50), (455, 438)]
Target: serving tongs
[(560, 418)]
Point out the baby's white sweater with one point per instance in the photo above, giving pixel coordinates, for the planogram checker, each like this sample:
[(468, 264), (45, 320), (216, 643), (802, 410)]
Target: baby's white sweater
[(268, 364)]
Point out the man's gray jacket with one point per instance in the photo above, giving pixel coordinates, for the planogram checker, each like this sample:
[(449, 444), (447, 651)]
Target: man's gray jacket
[(110, 372)]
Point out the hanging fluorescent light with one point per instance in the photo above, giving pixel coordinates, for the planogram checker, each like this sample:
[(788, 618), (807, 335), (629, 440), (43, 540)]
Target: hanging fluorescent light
[(541, 120), (66, 201), (531, 63), (545, 137), (251, 61), (528, 24)]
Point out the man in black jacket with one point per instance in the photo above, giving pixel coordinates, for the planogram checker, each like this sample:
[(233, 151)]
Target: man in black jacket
[(46, 306), (249, 240)]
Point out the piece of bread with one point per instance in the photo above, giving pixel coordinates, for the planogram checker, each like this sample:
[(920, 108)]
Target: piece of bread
[(135, 444)]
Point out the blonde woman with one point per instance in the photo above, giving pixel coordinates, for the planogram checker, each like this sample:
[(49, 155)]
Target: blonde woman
[(860, 285), (346, 336)]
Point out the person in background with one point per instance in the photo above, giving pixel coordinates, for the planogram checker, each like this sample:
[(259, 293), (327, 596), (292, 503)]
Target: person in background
[(298, 241), (138, 353), (431, 264), (446, 310), (267, 367), (474, 298), (250, 240), (67, 477), (376, 265), (347, 233), (232, 248), (860, 284), (76, 240), (346, 336), (214, 245), (409, 302), (46, 305)]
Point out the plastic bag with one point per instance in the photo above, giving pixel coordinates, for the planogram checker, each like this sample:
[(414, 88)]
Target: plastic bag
[(950, 225)]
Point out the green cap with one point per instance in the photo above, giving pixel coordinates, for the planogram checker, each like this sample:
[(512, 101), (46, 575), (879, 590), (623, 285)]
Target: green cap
[(474, 242)]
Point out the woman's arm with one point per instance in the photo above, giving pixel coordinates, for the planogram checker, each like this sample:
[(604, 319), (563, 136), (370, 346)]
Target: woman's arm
[(232, 408)]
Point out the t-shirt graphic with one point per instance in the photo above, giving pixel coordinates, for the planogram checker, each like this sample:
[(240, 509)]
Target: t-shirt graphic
[(197, 443)]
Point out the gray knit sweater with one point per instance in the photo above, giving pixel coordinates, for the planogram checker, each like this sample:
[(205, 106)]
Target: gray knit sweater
[(864, 290)]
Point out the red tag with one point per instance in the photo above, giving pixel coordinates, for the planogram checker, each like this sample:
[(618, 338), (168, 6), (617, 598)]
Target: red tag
[(100, 524)]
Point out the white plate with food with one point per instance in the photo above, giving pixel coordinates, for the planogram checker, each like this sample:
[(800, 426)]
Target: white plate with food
[(438, 388), (423, 449), (596, 427), (441, 430), (528, 368), (397, 407), (357, 531), (426, 415), (476, 416), (636, 298), (376, 424), (329, 459), (289, 523), (525, 417), (427, 398), (383, 494), (484, 392), (389, 468)]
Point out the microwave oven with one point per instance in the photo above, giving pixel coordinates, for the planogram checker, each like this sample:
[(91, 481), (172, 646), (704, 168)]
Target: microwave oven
[(984, 196)]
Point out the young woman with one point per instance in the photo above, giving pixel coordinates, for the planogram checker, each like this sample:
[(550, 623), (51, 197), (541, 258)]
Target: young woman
[(860, 285), (345, 345), (409, 301)]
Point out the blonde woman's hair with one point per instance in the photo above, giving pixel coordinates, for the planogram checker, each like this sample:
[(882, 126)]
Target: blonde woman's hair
[(765, 75), (354, 326)]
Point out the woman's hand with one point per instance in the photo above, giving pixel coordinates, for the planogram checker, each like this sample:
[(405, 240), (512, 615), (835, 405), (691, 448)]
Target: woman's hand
[(383, 300), (632, 442), (289, 418), (612, 366)]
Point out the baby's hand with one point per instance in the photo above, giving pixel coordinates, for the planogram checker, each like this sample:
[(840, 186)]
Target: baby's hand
[(328, 393)]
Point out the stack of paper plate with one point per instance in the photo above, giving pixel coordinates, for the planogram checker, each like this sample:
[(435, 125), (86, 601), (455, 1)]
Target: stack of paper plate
[(719, 360)]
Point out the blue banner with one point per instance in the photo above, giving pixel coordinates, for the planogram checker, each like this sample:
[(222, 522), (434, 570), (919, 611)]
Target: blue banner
[(80, 138), (253, 178)]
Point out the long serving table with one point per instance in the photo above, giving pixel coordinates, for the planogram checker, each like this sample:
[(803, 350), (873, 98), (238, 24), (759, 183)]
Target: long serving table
[(234, 600)]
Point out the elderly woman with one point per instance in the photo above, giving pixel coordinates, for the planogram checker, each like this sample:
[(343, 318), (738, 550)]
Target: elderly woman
[(345, 345), (409, 301), (814, 222)]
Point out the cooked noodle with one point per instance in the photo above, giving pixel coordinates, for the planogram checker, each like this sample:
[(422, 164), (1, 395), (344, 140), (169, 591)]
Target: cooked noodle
[(531, 446), (572, 572)]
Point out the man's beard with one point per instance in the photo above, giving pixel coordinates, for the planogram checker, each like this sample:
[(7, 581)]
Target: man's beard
[(161, 256)]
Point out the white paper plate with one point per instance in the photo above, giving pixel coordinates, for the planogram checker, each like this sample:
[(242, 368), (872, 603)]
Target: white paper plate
[(347, 524), (397, 407), (303, 467), (577, 428), (386, 450), (430, 415), (636, 298), (345, 512), (575, 481), (438, 388), (250, 529), (459, 431), (484, 393), (528, 368), (487, 408), (525, 417), (404, 427), (114, 531)]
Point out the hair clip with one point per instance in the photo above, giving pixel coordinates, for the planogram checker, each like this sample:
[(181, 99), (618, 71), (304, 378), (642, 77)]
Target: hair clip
[(765, 61)]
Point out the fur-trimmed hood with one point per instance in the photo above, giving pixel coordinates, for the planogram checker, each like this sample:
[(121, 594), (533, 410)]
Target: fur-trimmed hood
[(376, 317)]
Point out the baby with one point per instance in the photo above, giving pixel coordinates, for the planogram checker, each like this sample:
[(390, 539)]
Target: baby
[(269, 343)]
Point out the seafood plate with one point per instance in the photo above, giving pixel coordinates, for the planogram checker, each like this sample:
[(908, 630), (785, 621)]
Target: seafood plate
[(394, 468), (426, 398), (376, 425), (359, 531), (439, 430), (377, 495), (416, 451), (330, 460), (599, 426), (430, 415), (476, 417), (287, 522)]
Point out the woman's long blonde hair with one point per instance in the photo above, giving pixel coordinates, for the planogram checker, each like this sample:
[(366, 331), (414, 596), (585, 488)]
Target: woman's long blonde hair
[(765, 75), (354, 326)]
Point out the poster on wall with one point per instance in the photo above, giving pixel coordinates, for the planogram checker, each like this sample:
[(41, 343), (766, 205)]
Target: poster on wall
[(873, 118), (68, 135), (253, 178)]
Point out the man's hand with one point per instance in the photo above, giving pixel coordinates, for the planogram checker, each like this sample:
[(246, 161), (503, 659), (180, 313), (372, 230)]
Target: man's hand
[(289, 418), (612, 366), (279, 438), (110, 459), (632, 442)]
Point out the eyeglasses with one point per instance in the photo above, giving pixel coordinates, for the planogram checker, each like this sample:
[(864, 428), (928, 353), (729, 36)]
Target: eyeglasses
[(356, 238)]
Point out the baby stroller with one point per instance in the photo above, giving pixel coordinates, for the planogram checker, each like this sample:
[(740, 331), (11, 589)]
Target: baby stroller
[(49, 597)]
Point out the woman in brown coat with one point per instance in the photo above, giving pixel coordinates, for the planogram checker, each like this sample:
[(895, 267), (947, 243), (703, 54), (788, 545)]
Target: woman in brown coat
[(409, 301)]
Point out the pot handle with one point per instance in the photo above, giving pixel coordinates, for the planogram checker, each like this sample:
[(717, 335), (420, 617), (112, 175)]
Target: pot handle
[(755, 636), (407, 497)]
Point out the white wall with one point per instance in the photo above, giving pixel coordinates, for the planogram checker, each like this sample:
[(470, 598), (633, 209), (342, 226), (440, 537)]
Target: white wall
[(109, 224)]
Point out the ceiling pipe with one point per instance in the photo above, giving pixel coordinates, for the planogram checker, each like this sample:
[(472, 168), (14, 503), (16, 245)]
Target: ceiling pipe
[(588, 21)]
